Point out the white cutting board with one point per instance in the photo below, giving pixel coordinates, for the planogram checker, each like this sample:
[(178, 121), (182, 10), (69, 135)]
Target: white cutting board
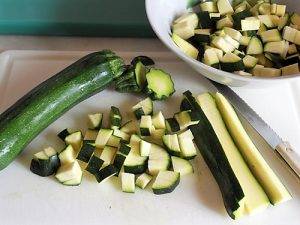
[(28, 199)]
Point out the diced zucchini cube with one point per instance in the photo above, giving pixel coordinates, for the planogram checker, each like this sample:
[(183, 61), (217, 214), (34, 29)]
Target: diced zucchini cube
[(143, 180), (68, 155), (145, 125), (95, 121), (145, 148), (103, 137), (128, 182)]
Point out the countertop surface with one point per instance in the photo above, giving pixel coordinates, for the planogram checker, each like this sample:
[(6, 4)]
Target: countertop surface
[(10, 42)]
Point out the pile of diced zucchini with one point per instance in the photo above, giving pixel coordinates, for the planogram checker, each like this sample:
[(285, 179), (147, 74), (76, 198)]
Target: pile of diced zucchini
[(248, 38), (148, 148)]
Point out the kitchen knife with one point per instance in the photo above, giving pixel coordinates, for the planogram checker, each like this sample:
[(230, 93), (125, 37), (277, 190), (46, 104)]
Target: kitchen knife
[(283, 148)]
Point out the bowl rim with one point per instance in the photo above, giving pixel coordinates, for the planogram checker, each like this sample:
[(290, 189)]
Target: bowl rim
[(197, 63)]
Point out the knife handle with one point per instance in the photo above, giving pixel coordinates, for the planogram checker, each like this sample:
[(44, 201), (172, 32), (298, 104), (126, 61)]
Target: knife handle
[(290, 156)]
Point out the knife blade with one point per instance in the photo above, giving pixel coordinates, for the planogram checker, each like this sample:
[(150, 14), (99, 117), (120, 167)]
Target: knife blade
[(283, 148)]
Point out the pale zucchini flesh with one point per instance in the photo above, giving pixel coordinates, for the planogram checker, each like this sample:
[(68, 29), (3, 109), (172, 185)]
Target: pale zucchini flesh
[(181, 166), (271, 184), (185, 46), (143, 180), (255, 198), (128, 182)]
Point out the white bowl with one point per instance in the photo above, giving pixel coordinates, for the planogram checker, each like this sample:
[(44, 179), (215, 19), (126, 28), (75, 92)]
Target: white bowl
[(161, 13)]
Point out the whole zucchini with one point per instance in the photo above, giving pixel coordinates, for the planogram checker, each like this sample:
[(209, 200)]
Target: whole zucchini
[(24, 120)]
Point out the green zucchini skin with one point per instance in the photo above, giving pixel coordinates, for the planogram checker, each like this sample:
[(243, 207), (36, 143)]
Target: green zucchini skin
[(25, 119), (211, 149)]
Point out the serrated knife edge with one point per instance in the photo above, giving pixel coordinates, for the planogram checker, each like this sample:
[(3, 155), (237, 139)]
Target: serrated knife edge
[(253, 118), (284, 149)]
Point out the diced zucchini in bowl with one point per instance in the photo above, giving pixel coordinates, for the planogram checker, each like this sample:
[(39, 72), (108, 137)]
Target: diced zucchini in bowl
[(185, 46), (250, 61), (290, 70), (271, 35), (295, 18), (205, 22), (231, 62), (289, 34), (211, 58), (219, 52), (277, 47), (224, 7), (245, 40), (283, 21), (266, 72), (242, 27), (222, 44), (236, 35), (267, 20), (202, 36), (231, 41), (190, 17), (265, 8), (292, 49), (250, 24), (226, 21), (254, 47), (240, 54), (184, 29), (209, 6)]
